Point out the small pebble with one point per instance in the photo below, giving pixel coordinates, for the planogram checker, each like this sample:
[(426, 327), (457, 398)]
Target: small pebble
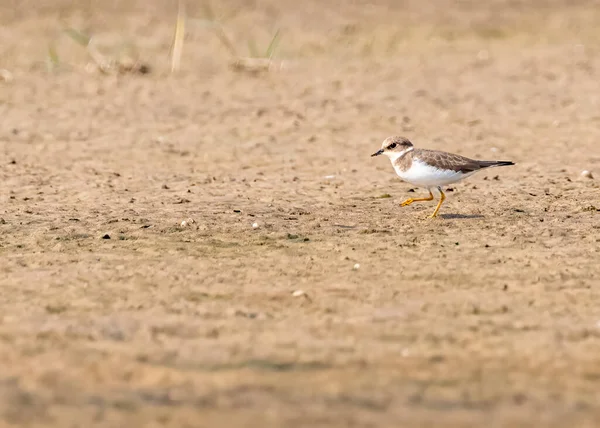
[(587, 174), (5, 75), (356, 266), (302, 293), (255, 225), (187, 222)]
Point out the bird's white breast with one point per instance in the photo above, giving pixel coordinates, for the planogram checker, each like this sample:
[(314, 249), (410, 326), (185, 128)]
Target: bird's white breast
[(425, 175)]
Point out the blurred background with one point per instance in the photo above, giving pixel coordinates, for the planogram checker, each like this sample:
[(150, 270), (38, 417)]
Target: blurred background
[(215, 31)]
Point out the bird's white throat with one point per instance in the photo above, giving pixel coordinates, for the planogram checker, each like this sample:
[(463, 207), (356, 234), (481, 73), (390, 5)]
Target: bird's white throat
[(394, 156)]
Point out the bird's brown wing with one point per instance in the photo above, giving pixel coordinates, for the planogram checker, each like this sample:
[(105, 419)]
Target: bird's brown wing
[(445, 160)]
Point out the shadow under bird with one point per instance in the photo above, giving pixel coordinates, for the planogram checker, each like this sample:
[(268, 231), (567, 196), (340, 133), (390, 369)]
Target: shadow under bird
[(430, 168)]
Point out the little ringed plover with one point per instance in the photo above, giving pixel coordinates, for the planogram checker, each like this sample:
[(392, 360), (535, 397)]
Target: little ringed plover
[(430, 168)]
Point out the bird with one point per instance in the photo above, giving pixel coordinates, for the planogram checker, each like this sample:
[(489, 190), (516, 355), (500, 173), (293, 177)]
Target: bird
[(430, 169)]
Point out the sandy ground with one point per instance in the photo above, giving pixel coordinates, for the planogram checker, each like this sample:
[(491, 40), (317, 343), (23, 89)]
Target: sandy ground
[(341, 309)]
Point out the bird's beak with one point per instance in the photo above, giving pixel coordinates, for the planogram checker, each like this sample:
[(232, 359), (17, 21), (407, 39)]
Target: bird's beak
[(377, 153)]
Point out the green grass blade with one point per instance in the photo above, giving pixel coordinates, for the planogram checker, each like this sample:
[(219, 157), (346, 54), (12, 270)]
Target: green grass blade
[(53, 55), (252, 48), (225, 40), (272, 45), (78, 36), (53, 59)]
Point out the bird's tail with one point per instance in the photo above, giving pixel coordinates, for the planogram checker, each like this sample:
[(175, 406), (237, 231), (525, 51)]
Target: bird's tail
[(490, 164)]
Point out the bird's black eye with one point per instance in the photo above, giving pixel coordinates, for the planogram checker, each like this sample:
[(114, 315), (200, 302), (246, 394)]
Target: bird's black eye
[(392, 146)]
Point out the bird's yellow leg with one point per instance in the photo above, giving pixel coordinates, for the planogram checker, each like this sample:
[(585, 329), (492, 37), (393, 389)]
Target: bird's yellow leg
[(411, 200), (442, 198)]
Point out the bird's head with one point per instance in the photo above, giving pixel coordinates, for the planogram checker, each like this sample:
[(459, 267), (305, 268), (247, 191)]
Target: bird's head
[(394, 147)]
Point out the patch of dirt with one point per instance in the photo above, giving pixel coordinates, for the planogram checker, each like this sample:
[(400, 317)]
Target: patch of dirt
[(298, 292)]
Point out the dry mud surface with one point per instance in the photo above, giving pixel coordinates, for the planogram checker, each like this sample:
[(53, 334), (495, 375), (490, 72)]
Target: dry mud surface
[(488, 315)]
